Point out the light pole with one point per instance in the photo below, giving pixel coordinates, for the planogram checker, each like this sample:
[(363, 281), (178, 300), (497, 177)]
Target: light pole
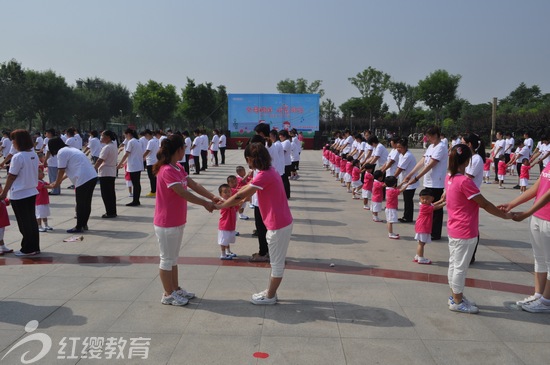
[(120, 115), (350, 122)]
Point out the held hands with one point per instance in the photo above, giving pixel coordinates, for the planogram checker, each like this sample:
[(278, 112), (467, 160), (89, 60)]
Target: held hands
[(518, 216), (209, 206)]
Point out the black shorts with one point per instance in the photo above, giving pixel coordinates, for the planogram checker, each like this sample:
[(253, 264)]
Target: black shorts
[(295, 166)]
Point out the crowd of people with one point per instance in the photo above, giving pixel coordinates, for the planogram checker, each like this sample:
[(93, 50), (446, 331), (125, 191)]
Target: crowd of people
[(452, 174)]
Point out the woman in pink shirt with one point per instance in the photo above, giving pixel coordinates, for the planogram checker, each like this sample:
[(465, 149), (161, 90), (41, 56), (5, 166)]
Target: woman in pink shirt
[(275, 213), (463, 200), (540, 239), (171, 214)]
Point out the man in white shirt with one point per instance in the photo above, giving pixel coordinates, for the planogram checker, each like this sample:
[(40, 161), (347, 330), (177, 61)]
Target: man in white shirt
[(223, 146), (204, 149), (528, 142), (509, 145), (498, 152)]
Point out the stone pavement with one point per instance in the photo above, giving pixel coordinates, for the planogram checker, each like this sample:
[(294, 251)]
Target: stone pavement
[(373, 305)]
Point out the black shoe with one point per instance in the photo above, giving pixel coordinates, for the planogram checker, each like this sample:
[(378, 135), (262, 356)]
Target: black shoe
[(75, 230), (255, 233), (109, 216), (85, 228), (473, 260), (516, 187), (133, 204), (70, 187), (436, 238), (196, 173), (50, 193), (403, 220)]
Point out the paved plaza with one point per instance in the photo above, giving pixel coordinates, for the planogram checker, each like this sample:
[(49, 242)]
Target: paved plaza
[(350, 295)]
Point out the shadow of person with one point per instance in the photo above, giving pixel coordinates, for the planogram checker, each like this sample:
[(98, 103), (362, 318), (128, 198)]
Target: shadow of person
[(20, 313)]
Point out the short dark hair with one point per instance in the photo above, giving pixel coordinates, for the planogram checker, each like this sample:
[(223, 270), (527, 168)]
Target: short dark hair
[(22, 139), (378, 174), (426, 192), (390, 181), (433, 130), (55, 144), (223, 186)]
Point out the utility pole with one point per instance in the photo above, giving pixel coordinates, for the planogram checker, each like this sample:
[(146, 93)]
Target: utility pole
[(494, 119)]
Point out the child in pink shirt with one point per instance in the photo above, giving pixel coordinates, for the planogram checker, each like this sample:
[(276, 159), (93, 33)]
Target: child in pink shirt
[(227, 225), (423, 225), (343, 170), (377, 195), (501, 173), (4, 222), (392, 196), (524, 175), (356, 179), (368, 180), (242, 179), (349, 170), (337, 161), (42, 203), (487, 168)]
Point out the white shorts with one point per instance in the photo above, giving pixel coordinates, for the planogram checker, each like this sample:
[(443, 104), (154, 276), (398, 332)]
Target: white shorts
[(277, 243), (391, 215), (523, 182), (356, 184), (366, 194), (347, 178), (169, 239), (337, 170), (501, 177), (129, 183), (225, 238), (375, 207), (486, 173), (423, 237), (42, 211)]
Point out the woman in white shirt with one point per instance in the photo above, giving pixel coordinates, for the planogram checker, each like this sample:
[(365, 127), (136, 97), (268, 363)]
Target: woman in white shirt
[(223, 145), (134, 156), (215, 145), (284, 137), (21, 184), (106, 168), (79, 170)]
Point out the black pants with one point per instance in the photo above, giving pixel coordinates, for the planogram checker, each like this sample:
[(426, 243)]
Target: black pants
[(136, 184), (83, 195), (204, 156), (152, 178), (186, 164), (215, 154), (437, 223), (286, 182), (197, 160), (24, 210), (496, 167), (261, 231), (408, 204), (107, 186), (222, 153)]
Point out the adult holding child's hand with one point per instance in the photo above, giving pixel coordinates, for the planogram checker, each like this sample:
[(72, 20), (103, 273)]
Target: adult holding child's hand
[(171, 214), (539, 237)]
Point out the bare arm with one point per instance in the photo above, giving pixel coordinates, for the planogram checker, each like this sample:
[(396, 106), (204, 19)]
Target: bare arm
[(541, 202), (192, 198), (9, 181), (526, 196), (490, 207), (244, 193)]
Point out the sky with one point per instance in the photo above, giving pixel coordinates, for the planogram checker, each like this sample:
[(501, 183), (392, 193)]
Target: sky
[(251, 45)]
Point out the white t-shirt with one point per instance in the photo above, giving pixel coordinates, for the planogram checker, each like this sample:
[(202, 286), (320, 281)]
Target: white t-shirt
[(475, 168), (522, 153), (286, 149), (188, 144), (134, 162), (144, 141), (95, 146), (382, 153), (77, 166), (500, 144), (509, 145), (196, 146), (435, 178), (78, 141), (215, 143), (295, 150), (52, 160), (277, 157), (39, 143), (204, 145), (6, 146), (407, 162), (393, 156), (223, 141), (529, 143), (347, 144), (153, 147), (72, 142), (25, 166), (109, 155)]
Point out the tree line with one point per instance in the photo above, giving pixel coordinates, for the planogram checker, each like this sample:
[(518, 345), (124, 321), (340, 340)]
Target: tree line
[(37, 100)]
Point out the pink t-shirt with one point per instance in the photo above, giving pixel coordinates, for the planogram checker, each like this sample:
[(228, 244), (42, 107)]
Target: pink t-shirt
[(463, 212), (337, 161), (42, 198), (242, 182), (392, 195), (524, 172), (170, 208), (377, 191), (502, 168), (425, 218), (487, 164), (368, 180), (349, 167), (272, 199), (4, 217), (544, 185), (343, 165), (355, 174), (228, 219)]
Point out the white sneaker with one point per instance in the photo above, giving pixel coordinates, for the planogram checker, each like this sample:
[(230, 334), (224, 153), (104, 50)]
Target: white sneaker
[(536, 306), (262, 299), (464, 299), (376, 219), (42, 229), (174, 299), (423, 261), (529, 299), (184, 293), (5, 249), (393, 236), (463, 307), (243, 217), (19, 253), (48, 228)]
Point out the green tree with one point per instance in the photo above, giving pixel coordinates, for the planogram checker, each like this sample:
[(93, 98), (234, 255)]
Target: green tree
[(300, 86), (14, 98), (156, 101), (199, 102), (219, 115), (372, 84), (329, 111), (437, 90)]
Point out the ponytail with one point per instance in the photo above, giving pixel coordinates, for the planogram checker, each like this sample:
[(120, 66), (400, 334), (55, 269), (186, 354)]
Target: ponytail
[(169, 146)]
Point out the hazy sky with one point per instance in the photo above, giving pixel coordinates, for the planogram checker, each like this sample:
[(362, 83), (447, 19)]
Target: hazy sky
[(250, 45)]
